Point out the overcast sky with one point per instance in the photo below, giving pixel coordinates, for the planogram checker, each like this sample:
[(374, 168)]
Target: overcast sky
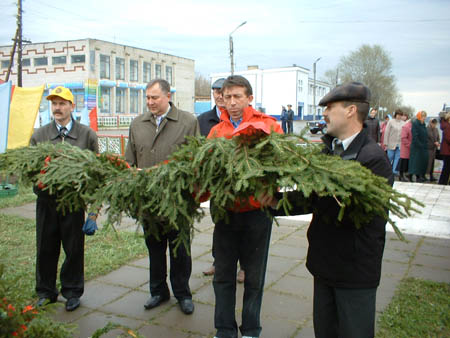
[(415, 33)]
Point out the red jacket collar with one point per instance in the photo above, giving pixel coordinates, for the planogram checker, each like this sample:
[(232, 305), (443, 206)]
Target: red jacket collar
[(248, 113)]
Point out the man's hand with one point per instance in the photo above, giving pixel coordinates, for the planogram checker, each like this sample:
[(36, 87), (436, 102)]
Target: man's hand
[(267, 200)]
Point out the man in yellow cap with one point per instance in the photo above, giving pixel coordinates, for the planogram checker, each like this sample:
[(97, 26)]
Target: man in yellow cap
[(54, 228)]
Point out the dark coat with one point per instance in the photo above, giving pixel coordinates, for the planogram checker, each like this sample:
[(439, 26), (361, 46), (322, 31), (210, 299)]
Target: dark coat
[(418, 158), (290, 115), (207, 120), (338, 253), (373, 128)]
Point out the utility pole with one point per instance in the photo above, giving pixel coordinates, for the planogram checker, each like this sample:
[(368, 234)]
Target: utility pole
[(314, 89), (19, 52), (231, 47)]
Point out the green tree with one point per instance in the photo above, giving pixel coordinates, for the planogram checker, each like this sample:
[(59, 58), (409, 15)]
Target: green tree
[(372, 65)]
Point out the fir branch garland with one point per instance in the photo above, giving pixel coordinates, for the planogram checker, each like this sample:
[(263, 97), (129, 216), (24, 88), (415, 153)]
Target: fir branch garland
[(227, 169)]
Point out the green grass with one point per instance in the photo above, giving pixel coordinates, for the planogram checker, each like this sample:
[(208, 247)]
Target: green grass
[(25, 195), (419, 309), (104, 252)]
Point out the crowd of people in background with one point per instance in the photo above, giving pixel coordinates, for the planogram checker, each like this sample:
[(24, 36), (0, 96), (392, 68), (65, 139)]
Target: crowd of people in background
[(412, 146)]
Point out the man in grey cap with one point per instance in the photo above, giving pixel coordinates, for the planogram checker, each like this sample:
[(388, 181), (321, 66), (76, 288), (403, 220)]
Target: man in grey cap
[(345, 261), (210, 118)]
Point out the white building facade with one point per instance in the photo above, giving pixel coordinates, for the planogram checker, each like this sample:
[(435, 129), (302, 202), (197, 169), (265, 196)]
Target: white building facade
[(277, 87), (109, 76)]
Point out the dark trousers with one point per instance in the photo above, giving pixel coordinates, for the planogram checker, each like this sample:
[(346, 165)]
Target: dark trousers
[(290, 125), (443, 179), (245, 237), (180, 266), (284, 126), (343, 313), (52, 229)]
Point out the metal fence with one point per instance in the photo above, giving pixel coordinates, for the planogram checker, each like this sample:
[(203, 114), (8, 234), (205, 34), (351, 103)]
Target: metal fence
[(112, 144)]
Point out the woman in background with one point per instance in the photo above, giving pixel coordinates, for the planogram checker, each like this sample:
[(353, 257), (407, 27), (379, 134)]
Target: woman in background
[(418, 159), (433, 144), (392, 137), (405, 149)]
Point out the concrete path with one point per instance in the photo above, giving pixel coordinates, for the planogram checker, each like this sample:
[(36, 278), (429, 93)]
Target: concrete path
[(287, 304)]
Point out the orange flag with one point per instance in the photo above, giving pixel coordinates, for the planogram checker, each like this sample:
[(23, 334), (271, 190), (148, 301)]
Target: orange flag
[(93, 119)]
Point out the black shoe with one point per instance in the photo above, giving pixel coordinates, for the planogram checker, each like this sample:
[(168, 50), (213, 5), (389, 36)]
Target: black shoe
[(155, 301), (72, 303), (44, 301), (186, 306)]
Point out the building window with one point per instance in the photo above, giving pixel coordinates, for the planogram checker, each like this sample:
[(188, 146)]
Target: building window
[(134, 70), (300, 85), (5, 63), (105, 100), (134, 101), (169, 74), (158, 71), (147, 71), (120, 100), (42, 61), (26, 62), (105, 67), (120, 69), (78, 58), (59, 60), (78, 97)]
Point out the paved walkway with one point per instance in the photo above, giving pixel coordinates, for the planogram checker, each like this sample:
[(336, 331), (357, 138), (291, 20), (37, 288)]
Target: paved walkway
[(287, 304)]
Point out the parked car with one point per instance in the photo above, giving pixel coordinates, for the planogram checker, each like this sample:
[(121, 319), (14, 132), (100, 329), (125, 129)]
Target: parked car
[(316, 126)]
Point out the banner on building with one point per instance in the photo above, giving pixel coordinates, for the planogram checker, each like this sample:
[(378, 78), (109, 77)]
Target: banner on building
[(23, 112), (5, 99)]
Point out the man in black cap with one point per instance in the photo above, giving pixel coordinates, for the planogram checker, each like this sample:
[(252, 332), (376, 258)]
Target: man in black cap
[(345, 261)]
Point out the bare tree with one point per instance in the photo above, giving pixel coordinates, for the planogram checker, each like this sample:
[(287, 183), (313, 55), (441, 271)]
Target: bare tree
[(372, 66), (331, 76), (202, 85)]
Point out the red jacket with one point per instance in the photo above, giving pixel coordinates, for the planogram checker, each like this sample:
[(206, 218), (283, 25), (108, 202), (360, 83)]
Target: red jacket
[(445, 145), (226, 129)]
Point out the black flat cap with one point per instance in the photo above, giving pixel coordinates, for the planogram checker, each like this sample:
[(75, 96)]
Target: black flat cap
[(351, 91), (218, 83)]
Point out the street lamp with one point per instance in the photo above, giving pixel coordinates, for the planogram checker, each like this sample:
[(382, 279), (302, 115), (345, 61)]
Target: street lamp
[(314, 89), (231, 46)]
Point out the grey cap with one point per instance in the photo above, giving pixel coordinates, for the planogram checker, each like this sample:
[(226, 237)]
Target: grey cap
[(218, 83), (352, 91)]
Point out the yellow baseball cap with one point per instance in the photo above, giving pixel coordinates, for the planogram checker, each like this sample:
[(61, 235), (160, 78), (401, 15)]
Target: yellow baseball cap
[(61, 92)]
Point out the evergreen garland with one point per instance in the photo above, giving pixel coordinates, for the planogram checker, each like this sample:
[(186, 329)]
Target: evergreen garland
[(228, 169)]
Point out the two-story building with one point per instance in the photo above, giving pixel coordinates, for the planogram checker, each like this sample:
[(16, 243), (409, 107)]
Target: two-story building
[(109, 76)]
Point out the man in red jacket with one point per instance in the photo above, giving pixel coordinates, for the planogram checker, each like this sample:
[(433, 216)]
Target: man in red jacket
[(246, 234)]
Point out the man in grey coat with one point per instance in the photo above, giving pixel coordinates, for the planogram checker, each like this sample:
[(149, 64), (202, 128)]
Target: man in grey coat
[(153, 137), (53, 227)]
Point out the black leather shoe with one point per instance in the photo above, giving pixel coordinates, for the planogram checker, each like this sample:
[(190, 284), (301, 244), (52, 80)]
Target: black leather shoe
[(155, 301), (72, 303), (44, 301), (186, 306)]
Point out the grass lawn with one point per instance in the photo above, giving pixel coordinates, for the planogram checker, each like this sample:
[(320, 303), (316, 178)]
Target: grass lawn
[(104, 252), (419, 309)]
